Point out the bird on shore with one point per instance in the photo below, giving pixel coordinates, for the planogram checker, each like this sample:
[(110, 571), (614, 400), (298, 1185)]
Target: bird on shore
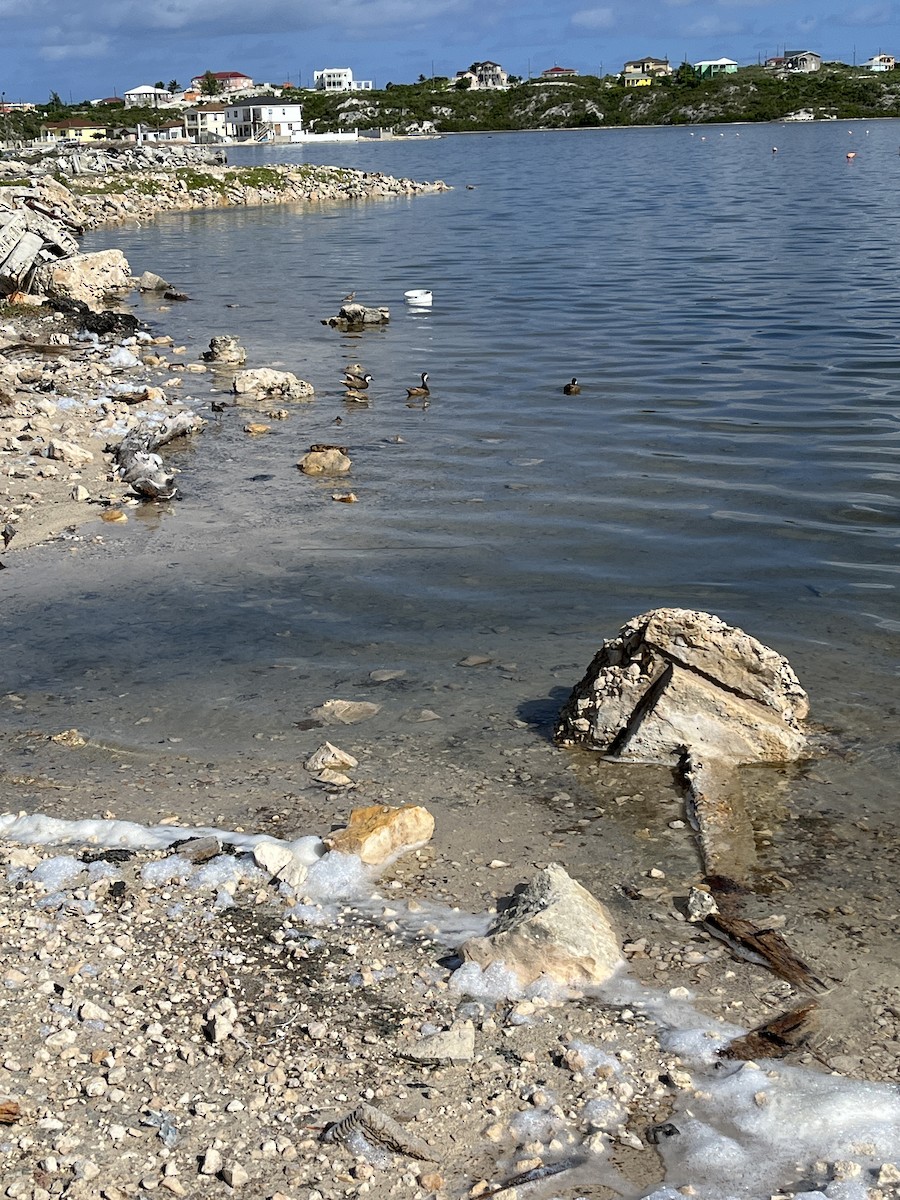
[(423, 388), (349, 298), (573, 387)]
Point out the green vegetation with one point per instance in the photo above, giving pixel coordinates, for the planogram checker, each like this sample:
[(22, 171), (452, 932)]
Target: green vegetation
[(751, 94)]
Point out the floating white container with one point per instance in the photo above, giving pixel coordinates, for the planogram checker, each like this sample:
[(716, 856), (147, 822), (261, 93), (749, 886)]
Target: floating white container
[(418, 297)]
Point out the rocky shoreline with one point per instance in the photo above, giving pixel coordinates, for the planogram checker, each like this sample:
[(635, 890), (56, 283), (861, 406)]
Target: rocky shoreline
[(199, 1027), (75, 376)]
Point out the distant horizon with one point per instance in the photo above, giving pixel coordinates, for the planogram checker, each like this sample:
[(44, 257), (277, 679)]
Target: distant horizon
[(107, 47)]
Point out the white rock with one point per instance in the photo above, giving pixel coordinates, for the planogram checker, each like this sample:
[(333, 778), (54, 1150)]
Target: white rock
[(281, 863), (330, 757), (553, 927)]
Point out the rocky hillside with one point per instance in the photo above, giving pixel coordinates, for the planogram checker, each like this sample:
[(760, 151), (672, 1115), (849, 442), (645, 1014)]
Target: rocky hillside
[(752, 94)]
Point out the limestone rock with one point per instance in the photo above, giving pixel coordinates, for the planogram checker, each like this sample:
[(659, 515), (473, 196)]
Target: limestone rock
[(69, 452), (345, 712), (223, 348), (453, 1045), (553, 927), (87, 277), (221, 1018), (380, 833), (675, 678), (325, 462), (150, 282), (281, 863), (263, 381), (330, 757)]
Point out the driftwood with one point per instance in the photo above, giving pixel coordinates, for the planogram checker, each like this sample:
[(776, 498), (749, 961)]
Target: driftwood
[(9, 1112), (764, 946), (776, 1038), (138, 463)]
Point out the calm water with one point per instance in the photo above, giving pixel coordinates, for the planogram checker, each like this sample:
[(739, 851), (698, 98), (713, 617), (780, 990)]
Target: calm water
[(733, 316)]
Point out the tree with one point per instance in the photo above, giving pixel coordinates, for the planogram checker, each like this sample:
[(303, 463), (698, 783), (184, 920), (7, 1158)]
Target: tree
[(159, 85), (55, 104), (422, 79), (463, 83), (174, 85), (209, 85)]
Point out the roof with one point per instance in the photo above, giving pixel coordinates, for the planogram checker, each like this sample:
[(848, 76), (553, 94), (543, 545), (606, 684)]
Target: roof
[(249, 101), (716, 62), (221, 75), (560, 71), (146, 87), (75, 123)]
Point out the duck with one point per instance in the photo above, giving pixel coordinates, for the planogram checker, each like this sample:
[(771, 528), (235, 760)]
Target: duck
[(573, 388), (422, 390), (356, 396), (358, 383)]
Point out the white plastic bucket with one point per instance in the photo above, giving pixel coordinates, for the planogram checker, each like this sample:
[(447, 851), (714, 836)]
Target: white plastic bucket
[(419, 297)]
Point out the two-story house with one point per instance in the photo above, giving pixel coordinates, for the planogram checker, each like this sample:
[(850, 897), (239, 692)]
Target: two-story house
[(339, 79), (262, 119), (205, 123), (640, 72)]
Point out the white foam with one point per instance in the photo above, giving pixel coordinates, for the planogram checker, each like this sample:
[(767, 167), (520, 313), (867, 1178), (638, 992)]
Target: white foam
[(58, 872), (35, 829)]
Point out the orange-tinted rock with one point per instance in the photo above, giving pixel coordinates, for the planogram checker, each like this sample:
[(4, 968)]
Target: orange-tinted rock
[(381, 833)]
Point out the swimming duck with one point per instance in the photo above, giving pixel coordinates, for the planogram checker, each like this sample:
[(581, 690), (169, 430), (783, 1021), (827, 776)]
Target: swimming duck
[(573, 388), (423, 390), (358, 383)]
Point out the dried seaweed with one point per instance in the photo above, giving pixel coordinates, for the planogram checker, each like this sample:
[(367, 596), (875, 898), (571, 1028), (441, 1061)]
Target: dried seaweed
[(380, 1128)]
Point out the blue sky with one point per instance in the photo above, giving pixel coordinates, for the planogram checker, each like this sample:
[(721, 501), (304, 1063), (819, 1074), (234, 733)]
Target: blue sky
[(93, 48)]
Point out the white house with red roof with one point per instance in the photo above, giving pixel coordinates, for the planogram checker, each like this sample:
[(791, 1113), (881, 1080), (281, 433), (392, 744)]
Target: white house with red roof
[(228, 81)]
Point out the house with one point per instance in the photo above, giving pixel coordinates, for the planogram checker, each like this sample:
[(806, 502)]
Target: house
[(709, 68), (339, 79), (166, 131), (75, 129), (803, 61), (558, 73), (880, 62), (641, 72), (228, 81), (205, 123), (107, 101), (146, 96), (777, 63), (263, 119), (487, 76)]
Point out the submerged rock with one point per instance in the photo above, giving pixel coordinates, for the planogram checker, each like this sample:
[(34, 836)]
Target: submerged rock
[(676, 679), (264, 381), (329, 460), (223, 348), (552, 927)]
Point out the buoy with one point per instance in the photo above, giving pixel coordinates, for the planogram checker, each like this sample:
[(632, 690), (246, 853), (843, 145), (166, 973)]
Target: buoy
[(418, 297)]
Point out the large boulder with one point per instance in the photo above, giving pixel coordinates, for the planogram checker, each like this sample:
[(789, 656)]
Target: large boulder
[(553, 927), (264, 381), (86, 277), (675, 679)]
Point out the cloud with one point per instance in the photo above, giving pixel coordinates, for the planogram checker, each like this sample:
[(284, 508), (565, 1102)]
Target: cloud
[(83, 21), (61, 51), (865, 15), (594, 18)]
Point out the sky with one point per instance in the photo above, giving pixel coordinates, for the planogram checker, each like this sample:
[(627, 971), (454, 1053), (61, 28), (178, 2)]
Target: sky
[(92, 48)]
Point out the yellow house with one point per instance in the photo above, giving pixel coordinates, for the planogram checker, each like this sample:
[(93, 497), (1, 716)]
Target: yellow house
[(75, 129), (637, 80), (640, 72)]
